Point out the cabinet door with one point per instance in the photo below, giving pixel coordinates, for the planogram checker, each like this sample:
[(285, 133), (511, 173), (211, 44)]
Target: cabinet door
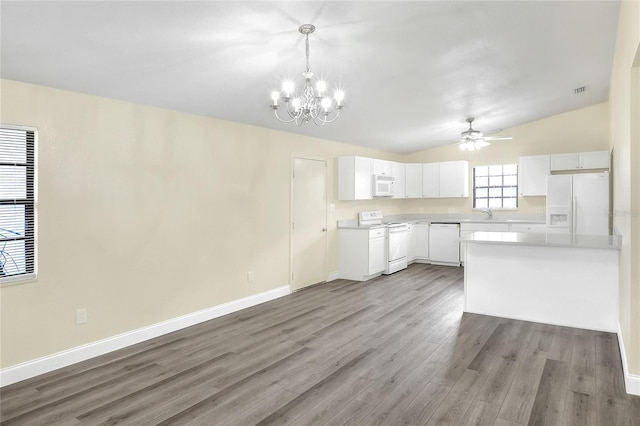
[(354, 178), (413, 180), (594, 160), (410, 251), (533, 174), (564, 161), (431, 180), (363, 176), (382, 167), (398, 173), (420, 241), (376, 255), (463, 246), (454, 179)]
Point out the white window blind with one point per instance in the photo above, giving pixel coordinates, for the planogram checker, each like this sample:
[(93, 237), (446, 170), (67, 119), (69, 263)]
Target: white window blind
[(17, 203)]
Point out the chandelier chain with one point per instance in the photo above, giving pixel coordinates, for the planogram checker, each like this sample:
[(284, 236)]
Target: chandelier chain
[(307, 52)]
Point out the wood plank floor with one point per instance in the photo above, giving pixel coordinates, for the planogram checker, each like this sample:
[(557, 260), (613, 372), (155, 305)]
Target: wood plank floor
[(396, 350)]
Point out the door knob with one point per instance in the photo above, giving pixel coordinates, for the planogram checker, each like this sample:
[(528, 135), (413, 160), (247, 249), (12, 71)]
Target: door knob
[(324, 229)]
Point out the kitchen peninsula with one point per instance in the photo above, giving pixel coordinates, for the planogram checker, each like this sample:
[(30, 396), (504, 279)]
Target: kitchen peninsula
[(562, 279)]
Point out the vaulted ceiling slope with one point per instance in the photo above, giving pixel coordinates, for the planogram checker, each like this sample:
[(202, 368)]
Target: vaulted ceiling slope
[(412, 71)]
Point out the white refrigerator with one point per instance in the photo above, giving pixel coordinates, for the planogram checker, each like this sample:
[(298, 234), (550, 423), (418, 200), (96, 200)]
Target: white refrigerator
[(578, 203)]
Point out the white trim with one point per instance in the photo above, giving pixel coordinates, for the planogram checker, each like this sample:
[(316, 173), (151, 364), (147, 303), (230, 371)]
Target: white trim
[(52, 362), (631, 381), (335, 275), (31, 276)]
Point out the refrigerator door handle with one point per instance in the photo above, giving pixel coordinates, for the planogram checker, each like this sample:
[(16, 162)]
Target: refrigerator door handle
[(574, 215)]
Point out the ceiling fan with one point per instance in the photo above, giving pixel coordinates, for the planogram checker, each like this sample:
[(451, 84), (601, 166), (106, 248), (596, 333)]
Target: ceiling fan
[(472, 140)]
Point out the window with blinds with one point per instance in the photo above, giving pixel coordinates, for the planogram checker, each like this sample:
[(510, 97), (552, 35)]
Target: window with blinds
[(17, 203)]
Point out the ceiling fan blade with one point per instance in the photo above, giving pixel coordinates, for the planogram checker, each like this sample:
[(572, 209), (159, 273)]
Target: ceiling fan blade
[(491, 132), (446, 141), (497, 138)]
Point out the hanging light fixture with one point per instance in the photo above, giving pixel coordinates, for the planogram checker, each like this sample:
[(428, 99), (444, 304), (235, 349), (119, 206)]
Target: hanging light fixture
[(307, 105), (473, 140), (473, 145)]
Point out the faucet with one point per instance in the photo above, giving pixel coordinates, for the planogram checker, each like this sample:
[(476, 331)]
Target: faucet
[(488, 212)]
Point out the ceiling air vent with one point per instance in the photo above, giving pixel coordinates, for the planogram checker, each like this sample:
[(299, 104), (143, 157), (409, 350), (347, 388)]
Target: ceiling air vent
[(579, 90)]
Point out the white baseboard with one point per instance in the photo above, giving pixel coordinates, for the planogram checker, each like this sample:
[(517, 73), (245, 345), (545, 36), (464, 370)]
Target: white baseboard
[(333, 276), (631, 381), (52, 362)]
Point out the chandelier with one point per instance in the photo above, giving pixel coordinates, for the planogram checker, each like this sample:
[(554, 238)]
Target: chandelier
[(307, 105)]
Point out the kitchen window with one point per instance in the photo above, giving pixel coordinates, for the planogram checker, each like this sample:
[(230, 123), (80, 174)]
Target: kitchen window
[(495, 187), (17, 203)]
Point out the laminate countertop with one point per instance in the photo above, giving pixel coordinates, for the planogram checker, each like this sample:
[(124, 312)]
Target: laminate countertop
[(612, 242), (444, 218)]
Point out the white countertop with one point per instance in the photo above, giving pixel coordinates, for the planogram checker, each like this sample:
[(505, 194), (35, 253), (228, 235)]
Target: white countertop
[(549, 240), (445, 218)]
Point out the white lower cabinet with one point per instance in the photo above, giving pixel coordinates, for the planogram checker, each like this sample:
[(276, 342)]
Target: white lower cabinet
[(377, 251), (362, 253), (419, 243)]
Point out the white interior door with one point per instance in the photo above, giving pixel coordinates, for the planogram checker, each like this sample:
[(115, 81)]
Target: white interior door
[(309, 224)]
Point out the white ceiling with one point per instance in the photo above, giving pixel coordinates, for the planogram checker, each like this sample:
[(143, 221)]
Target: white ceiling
[(412, 71)]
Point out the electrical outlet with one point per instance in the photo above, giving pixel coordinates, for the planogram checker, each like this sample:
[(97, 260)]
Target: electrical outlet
[(540, 210), (81, 316), (332, 207), (250, 276)]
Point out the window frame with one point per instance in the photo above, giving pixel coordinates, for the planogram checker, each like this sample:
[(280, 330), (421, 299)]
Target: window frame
[(489, 187), (30, 205)]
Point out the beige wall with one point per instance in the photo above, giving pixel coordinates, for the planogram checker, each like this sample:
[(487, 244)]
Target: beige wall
[(586, 129), (624, 99), (147, 214)]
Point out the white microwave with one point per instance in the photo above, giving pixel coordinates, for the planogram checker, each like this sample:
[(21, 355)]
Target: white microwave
[(383, 185)]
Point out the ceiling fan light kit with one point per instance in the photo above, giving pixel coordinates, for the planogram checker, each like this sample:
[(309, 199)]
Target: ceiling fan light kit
[(473, 140), (307, 105)]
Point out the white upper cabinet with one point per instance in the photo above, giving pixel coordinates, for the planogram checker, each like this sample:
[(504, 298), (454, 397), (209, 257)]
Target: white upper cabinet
[(564, 161), (533, 174), (594, 160), (413, 182), (398, 172), (355, 178), (382, 167), (580, 160), (431, 180), (454, 179)]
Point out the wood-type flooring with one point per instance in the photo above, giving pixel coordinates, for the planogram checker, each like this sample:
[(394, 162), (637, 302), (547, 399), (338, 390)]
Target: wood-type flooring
[(396, 350)]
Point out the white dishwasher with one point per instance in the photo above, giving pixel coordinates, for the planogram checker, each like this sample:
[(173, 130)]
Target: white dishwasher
[(444, 247)]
